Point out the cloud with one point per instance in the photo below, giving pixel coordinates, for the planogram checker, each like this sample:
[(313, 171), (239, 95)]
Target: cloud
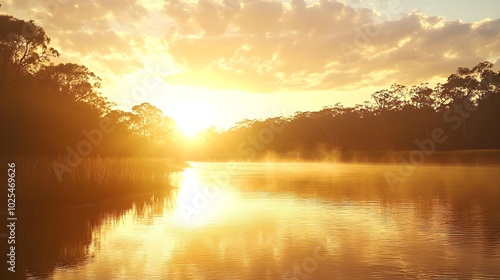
[(271, 46), (110, 37), (96, 43), (264, 45)]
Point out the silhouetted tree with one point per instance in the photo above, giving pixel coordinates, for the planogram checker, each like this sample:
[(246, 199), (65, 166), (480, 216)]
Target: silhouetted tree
[(23, 47), (44, 108)]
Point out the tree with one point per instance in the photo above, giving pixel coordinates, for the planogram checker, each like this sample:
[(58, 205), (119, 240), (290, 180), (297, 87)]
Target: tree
[(467, 85), (75, 84), (45, 108), (329, 120), (148, 121), (24, 47), (390, 99), (421, 96)]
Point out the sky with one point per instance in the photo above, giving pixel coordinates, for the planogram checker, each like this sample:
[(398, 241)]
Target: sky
[(213, 63)]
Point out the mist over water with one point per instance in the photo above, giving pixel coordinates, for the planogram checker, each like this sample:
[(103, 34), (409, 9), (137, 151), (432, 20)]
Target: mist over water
[(286, 221)]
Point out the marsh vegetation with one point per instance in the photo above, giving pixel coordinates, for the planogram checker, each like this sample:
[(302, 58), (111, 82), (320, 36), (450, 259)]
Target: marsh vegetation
[(94, 180)]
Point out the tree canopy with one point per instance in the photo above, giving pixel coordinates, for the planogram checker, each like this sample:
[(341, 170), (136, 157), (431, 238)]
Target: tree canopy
[(46, 107)]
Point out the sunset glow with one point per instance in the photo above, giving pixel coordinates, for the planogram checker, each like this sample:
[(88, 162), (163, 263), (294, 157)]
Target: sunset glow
[(191, 119), (250, 139), (311, 54), (200, 203)]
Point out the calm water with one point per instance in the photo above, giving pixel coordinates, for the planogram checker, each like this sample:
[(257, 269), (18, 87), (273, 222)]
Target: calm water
[(282, 221)]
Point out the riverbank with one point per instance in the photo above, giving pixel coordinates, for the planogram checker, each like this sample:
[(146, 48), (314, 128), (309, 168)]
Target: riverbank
[(39, 182)]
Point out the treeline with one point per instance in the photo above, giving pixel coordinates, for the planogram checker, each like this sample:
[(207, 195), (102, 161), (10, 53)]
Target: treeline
[(466, 109), (48, 109)]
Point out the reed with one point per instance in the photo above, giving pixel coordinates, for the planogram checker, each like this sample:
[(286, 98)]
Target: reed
[(94, 180)]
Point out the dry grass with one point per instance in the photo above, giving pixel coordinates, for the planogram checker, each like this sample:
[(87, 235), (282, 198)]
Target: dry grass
[(95, 179)]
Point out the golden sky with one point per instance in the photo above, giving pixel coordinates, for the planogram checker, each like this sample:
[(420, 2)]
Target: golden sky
[(223, 61)]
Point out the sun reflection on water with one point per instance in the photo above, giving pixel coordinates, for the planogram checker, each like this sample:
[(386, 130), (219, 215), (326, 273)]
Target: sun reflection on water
[(239, 230), (201, 202)]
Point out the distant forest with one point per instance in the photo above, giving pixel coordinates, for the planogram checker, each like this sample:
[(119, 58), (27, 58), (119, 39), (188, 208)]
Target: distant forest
[(465, 110), (46, 109)]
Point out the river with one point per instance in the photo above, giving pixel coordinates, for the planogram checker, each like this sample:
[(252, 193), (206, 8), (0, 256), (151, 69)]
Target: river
[(285, 221)]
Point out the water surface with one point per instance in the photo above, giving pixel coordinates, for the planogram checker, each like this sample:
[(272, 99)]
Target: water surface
[(286, 221)]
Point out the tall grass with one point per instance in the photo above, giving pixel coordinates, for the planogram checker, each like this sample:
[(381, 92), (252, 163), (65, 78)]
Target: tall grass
[(95, 179)]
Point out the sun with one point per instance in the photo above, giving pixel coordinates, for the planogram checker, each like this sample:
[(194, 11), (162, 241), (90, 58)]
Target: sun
[(191, 123), (190, 127), (192, 119)]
